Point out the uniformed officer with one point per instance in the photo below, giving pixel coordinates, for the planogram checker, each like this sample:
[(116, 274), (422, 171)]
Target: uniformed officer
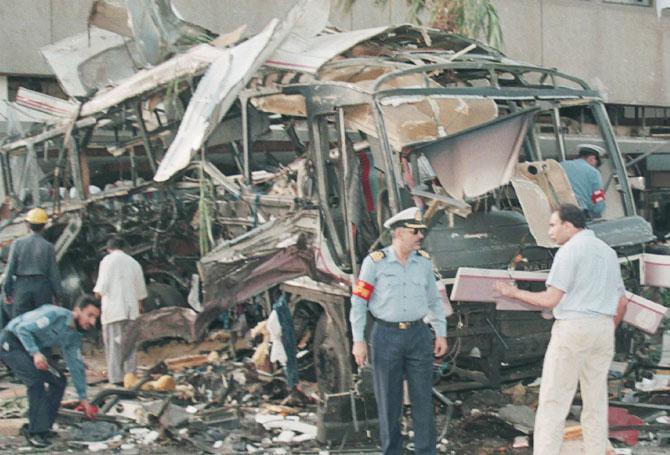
[(32, 277), (398, 287), (24, 344), (585, 179)]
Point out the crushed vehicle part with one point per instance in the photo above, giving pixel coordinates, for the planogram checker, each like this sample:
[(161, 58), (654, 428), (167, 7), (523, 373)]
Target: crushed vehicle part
[(51, 105), (155, 26), (216, 92), (86, 62), (161, 323), (457, 159), (192, 62)]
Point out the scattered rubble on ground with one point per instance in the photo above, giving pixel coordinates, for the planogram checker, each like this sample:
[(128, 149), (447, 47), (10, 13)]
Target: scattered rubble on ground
[(210, 398)]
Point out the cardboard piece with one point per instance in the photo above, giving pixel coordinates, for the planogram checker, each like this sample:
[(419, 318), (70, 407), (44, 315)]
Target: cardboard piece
[(643, 313), (478, 285), (655, 270)]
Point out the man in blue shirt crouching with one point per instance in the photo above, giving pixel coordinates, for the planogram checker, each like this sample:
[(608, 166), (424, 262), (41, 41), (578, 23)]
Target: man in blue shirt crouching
[(21, 343)]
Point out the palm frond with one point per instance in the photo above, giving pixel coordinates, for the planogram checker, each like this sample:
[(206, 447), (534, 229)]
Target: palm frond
[(476, 19)]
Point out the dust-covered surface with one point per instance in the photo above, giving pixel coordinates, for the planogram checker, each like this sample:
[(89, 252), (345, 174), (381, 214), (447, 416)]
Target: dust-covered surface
[(224, 397)]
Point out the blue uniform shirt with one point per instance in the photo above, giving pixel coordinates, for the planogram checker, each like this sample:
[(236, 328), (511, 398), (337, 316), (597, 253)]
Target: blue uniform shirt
[(587, 184), (396, 293), (49, 326)]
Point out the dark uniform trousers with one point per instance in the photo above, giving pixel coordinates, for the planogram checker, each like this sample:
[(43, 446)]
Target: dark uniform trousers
[(31, 292), (45, 390), (399, 354)]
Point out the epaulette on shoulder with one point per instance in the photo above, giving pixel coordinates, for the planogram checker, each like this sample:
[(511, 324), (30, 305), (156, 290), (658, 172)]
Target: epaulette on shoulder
[(377, 256), (424, 253)]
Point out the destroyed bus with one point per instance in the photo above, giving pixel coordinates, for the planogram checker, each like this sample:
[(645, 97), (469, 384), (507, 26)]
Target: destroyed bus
[(275, 164)]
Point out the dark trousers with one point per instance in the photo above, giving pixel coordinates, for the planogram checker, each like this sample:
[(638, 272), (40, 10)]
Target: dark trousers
[(6, 312), (45, 390), (396, 355), (31, 292)]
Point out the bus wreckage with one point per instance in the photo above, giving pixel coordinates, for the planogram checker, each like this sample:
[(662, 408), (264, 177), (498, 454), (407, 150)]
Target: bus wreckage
[(239, 169)]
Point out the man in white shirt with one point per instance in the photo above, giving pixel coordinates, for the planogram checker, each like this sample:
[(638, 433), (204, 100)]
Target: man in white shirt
[(586, 293), (122, 289)]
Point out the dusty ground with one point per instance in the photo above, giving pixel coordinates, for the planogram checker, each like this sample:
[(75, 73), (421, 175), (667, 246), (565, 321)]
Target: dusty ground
[(466, 435)]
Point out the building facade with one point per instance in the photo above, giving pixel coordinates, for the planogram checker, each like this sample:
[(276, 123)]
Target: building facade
[(620, 47)]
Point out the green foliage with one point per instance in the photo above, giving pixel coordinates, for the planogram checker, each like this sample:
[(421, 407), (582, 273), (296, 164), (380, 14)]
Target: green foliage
[(476, 19), (205, 238)]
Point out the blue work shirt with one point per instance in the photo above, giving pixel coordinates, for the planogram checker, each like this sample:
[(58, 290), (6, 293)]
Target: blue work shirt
[(396, 293), (587, 184), (587, 270), (49, 326), (32, 255)]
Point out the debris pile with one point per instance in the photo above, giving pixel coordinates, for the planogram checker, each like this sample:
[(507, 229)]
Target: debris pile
[(211, 402)]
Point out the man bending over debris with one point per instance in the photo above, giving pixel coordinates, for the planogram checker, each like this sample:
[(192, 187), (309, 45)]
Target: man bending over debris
[(586, 293), (397, 285), (122, 289), (21, 343)]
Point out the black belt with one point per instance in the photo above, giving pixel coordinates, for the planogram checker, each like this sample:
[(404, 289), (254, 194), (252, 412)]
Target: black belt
[(399, 325)]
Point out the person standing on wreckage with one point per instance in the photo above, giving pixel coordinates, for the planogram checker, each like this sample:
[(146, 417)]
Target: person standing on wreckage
[(586, 293), (397, 285), (32, 278), (121, 287)]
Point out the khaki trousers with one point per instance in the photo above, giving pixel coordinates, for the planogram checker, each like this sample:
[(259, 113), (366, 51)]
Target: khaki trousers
[(112, 335), (580, 350)]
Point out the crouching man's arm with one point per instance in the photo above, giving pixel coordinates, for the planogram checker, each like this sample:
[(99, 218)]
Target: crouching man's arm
[(75, 363)]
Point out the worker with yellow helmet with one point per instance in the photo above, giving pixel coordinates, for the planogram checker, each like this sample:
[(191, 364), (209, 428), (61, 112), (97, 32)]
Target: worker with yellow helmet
[(32, 278)]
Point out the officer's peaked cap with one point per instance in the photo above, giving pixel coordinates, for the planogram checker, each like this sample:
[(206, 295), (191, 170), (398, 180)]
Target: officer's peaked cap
[(410, 218)]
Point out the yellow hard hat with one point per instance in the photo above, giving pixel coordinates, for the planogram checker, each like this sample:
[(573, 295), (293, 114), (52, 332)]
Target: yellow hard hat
[(37, 216)]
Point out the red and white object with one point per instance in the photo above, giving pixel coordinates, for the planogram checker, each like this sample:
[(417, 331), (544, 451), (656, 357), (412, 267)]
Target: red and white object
[(643, 313), (46, 103)]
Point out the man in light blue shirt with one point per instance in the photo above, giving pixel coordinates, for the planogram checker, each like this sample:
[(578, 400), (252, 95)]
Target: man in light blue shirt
[(21, 346), (398, 287), (585, 179), (586, 293)]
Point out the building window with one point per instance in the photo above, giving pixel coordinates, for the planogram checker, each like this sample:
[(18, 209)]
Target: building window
[(48, 85), (630, 2)]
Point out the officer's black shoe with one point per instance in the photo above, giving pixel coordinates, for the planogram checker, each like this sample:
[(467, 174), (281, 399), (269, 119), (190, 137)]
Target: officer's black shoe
[(38, 440), (23, 431)]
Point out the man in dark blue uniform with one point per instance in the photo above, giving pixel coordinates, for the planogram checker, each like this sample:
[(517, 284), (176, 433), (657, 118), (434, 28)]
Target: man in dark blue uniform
[(31, 277), (398, 287), (23, 344)]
